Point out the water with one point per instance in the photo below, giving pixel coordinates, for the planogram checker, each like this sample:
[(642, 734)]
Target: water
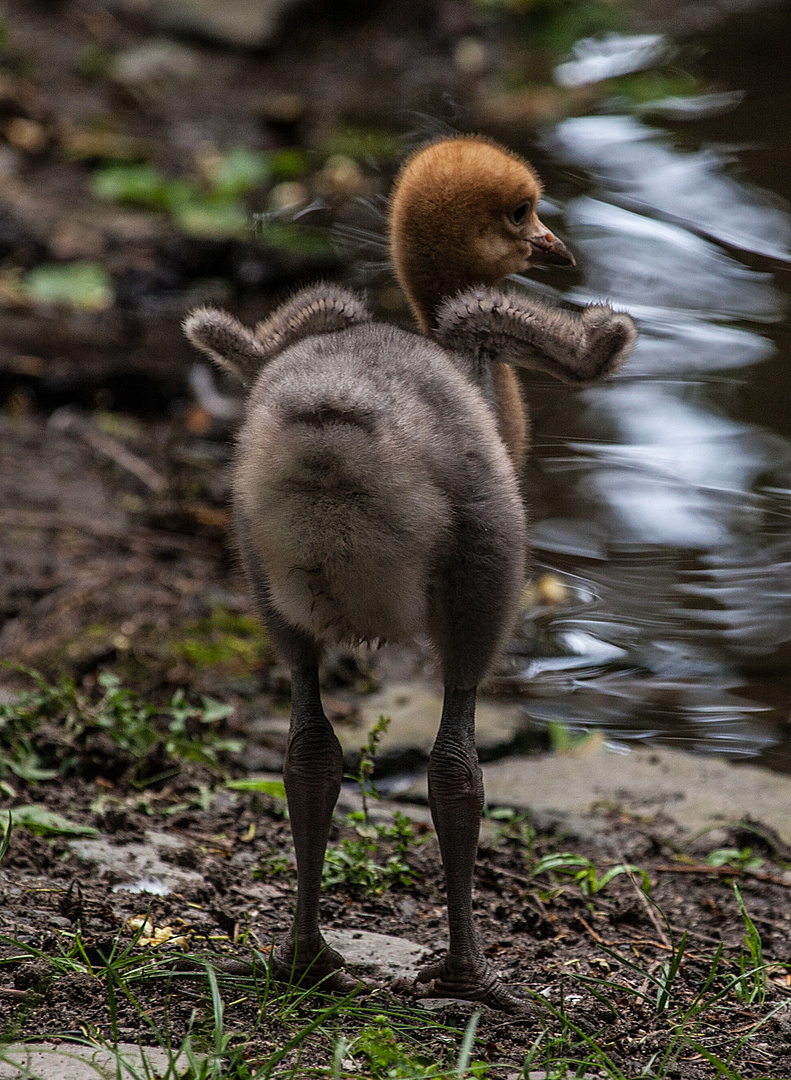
[(662, 499)]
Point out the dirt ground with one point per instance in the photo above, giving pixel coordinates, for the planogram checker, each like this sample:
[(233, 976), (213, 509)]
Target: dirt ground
[(546, 937), (116, 555)]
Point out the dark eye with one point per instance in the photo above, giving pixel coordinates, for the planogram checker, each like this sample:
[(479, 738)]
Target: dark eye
[(519, 214)]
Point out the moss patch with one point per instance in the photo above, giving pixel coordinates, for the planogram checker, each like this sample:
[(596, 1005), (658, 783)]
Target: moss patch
[(237, 643)]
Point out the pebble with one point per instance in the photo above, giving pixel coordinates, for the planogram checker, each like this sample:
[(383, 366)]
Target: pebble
[(155, 61), (244, 23)]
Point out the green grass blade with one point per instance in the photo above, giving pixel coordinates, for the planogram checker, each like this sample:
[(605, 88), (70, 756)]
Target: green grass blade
[(719, 1065), (6, 836), (467, 1044)]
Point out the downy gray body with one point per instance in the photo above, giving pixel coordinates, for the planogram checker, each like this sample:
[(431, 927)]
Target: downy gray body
[(372, 483)]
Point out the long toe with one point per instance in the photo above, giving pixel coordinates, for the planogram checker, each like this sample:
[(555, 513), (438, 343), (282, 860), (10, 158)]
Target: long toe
[(474, 983), (339, 982), (315, 964)]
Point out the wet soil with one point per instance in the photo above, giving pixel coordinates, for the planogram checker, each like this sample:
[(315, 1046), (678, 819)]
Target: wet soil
[(109, 538), (239, 889), (116, 553)]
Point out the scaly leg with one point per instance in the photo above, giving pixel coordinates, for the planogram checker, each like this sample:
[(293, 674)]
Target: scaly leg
[(456, 799), (312, 775)]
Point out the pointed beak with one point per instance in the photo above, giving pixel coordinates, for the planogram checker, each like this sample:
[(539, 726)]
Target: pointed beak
[(548, 249)]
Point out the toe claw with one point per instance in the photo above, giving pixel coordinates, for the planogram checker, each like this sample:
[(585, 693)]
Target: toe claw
[(316, 965), (476, 982), (339, 982), (431, 972)]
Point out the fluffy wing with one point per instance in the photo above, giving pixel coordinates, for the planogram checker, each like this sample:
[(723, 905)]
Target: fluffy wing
[(320, 309), (515, 328)]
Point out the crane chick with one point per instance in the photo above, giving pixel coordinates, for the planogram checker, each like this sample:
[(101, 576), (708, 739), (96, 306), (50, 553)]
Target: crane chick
[(376, 495)]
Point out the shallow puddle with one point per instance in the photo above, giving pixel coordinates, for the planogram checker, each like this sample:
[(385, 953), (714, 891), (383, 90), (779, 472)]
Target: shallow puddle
[(663, 498)]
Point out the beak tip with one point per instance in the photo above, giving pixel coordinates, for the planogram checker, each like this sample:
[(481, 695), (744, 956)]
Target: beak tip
[(548, 249)]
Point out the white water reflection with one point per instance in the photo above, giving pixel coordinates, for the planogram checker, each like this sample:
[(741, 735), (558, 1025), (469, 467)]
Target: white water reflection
[(609, 55), (655, 265), (693, 108), (638, 167), (673, 344), (673, 515), (683, 474)]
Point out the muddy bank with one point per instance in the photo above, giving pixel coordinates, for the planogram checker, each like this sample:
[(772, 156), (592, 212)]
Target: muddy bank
[(217, 879)]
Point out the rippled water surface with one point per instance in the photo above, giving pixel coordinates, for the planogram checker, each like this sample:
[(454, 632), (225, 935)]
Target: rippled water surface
[(662, 499)]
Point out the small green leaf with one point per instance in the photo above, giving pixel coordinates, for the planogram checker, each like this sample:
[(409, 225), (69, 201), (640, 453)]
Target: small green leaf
[(362, 144), (623, 868), (288, 164), (296, 238), (238, 172), (739, 859), (275, 788), (722, 856), (26, 769), (212, 219), (37, 819), (78, 285), (181, 193), (6, 840), (141, 185), (215, 710), (563, 861)]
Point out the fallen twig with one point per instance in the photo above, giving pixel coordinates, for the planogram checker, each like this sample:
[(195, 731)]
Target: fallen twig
[(103, 530), (724, 871), (124, 459)]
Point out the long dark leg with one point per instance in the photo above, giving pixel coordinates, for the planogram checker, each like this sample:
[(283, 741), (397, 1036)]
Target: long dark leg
[(312, 775), (473, 606), (455, 791)]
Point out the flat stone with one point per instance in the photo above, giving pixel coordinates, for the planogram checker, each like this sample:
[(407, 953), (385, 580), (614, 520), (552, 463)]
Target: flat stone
[(414, 710), (139, 865), (377, 955), (697, 792), (72, 1061), (246, 23), (155, 61), (463, 1008)]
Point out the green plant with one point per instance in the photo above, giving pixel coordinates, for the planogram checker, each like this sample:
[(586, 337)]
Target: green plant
[(353, 863), (365, 769), (514, 827), (386, 1056), (738, 858), (82, 285), (361, 144), (271, 865), (584, 872), (43, 822), (668, 973), (751, 986), (224, 639), (209, 205), (274, 788), (6, 839), (184, 730)]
